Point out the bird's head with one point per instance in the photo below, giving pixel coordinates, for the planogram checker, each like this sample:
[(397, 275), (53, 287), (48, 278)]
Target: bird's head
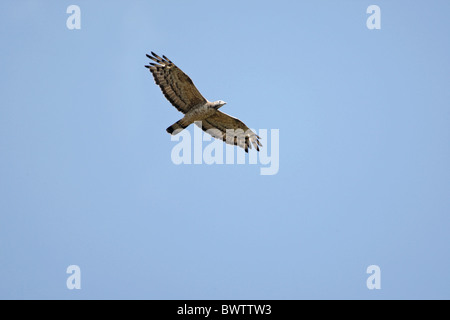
[(219, 103)]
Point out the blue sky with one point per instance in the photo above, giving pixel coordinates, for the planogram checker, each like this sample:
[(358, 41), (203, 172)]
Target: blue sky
[(87, 177)]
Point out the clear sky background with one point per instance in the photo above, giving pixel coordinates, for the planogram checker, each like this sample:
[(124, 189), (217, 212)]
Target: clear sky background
[(86, 176)]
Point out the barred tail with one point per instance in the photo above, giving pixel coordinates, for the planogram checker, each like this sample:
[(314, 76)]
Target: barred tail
[(179, 126)]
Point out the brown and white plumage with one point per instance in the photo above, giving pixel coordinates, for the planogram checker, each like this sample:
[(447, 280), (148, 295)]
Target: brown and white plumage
[(239, 134), (176, 86), (181, 92)]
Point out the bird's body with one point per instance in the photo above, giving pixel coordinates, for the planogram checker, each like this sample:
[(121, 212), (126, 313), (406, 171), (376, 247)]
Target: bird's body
[(199, 113), (179, 89)]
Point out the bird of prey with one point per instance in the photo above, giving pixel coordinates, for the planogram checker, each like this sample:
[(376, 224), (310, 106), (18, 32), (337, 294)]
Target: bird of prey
[(181, 92)]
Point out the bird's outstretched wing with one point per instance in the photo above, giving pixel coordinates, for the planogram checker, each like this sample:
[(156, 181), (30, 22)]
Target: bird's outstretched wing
[(230, 130), (176, 86)]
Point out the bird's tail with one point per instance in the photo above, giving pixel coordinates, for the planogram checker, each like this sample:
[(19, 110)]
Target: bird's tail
[(177, 127)]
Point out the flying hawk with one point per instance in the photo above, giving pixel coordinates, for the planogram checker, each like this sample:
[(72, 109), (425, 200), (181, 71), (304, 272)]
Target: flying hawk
[(181, 92)]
